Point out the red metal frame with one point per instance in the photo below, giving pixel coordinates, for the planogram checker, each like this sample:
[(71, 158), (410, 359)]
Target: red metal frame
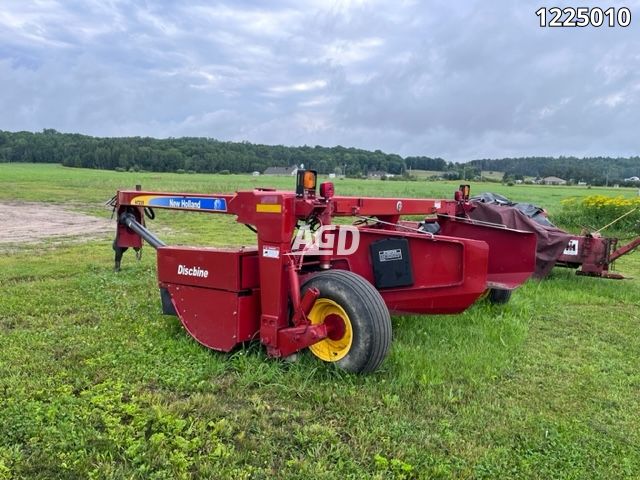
[(247, 293), (593, 255)]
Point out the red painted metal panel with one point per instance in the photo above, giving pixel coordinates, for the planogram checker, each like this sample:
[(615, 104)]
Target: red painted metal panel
[(250, 275), (249, 316), (127, 237), (449, 274), (512, 256), (217, 319), (391, 206), (219, 268), (124, 235)]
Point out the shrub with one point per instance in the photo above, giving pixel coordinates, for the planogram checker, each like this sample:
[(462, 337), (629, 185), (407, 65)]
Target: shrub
[(596, 211)]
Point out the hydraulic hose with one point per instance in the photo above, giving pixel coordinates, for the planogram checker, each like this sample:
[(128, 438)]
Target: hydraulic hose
[(130, 221)]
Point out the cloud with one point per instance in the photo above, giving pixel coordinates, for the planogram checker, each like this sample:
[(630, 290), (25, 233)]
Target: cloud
[(299, 87), (457, 80)]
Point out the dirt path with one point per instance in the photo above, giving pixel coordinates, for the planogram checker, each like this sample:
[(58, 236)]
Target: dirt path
[(22, 222)]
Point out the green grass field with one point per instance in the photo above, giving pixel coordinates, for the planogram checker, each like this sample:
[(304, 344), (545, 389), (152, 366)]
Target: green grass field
[(96, 383)]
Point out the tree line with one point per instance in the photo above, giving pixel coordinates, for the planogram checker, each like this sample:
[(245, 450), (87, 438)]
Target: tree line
[(196, 154), (207, 155), (592, 170)]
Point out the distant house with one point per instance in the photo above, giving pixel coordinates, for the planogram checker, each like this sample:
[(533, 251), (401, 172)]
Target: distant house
[(255, 174), (582, 184), (292, 170), (378, 174), (553, 181)]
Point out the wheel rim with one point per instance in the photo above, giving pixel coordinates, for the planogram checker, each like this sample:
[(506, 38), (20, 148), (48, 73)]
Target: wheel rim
[(340, 335)]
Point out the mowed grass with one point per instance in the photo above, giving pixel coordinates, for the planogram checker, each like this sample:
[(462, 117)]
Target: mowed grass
[(96, 383)]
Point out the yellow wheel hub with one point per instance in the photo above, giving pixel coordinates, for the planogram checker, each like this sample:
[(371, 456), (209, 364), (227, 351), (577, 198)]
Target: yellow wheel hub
[(338, 343)]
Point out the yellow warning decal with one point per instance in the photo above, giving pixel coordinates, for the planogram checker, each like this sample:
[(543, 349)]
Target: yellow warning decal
[(268, 208)]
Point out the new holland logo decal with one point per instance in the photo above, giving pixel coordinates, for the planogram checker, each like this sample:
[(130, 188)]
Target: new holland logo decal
[(188, 203)]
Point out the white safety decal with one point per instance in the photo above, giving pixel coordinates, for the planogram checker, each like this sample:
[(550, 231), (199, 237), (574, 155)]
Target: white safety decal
[(572, 248), (271, 252)]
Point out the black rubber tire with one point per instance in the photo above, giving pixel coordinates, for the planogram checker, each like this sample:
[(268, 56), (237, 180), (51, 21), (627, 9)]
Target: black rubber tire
[(368, 314), (499, 296)]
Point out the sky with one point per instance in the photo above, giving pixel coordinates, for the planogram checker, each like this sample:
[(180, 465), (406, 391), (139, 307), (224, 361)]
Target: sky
[(453, 79)]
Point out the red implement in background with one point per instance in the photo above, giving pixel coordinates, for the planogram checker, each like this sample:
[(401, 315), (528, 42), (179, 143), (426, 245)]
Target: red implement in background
[(589, 253), (335, 301), (592, 255)]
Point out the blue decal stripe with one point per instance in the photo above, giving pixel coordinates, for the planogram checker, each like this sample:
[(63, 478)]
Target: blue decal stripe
[(194, 203)]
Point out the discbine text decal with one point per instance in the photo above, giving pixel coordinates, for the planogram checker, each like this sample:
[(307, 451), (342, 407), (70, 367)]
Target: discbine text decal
[(192, 271)]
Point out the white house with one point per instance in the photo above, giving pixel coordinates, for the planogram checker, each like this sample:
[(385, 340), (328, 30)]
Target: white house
[(553, 181)]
